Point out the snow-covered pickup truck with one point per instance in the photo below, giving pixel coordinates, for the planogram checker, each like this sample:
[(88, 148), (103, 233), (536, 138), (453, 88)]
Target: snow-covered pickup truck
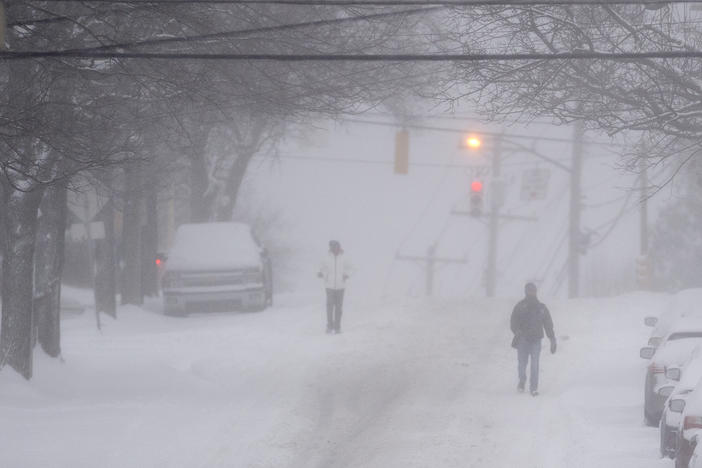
[(216, 266)]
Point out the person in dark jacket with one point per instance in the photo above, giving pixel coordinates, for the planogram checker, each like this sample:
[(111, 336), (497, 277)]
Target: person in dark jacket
[(530, 318)]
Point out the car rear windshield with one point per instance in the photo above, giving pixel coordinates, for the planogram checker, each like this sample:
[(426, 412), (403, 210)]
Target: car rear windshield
[(681, 335)]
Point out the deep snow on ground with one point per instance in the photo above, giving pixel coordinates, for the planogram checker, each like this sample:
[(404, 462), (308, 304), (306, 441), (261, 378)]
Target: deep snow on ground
[(408, 384)]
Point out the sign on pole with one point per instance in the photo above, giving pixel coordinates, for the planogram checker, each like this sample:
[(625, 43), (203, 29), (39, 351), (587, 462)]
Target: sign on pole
[(535, 184), (86, 204)]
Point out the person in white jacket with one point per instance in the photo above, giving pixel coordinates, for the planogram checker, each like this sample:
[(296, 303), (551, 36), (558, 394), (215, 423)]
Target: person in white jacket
[(335, 270)]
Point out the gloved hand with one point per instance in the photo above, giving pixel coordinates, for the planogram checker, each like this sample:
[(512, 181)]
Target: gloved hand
[(553, 346), (320, 275)]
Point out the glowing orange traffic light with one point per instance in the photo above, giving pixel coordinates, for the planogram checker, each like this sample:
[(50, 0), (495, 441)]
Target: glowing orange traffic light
[(473, 142)]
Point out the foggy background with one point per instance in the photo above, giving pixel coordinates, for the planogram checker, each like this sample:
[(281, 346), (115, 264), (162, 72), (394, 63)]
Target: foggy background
[(280, 125)]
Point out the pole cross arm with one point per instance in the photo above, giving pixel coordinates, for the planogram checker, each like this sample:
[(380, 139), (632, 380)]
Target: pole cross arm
[(414, 258)]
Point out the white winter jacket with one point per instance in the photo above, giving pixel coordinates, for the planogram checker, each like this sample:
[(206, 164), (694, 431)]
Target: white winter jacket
[(335, 269)]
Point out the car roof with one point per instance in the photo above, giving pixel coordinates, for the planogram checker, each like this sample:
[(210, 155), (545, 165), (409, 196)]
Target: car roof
[(686, 324), (685, 303), (675, 352), (693, 404), (692, 371), (213, 246)]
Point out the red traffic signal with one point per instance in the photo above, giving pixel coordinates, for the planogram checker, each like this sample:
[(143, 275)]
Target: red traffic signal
[(476, 198), (160, 259)]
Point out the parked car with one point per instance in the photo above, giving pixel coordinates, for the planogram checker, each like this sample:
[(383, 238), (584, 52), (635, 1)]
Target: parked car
[(688, 436), (682, 381), (216, 266), (673, 352), (683, 304), (696, 459)]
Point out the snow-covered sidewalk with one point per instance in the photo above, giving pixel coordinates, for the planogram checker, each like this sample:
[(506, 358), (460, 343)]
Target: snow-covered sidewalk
[(410, 384)]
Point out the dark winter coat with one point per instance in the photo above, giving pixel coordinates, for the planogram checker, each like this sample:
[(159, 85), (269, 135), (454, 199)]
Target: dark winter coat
[(530, 318)]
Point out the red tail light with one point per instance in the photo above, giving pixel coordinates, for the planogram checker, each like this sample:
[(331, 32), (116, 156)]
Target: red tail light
[(656, 369), (692, 422)]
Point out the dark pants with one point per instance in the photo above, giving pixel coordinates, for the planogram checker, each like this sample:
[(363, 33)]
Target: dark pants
[(335, 306), (529, 349)]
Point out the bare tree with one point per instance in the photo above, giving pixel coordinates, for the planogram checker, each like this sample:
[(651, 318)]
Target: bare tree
[(658, 96), (62, 118)]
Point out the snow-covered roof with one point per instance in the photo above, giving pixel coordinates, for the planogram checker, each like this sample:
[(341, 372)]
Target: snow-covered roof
[(674, 353), (692, 371), (693, 405), (213, 247), (685, 303), (685, 324), (665, 321), (688, 302)]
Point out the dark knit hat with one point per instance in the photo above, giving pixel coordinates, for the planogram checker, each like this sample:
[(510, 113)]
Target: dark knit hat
[(530, 289)]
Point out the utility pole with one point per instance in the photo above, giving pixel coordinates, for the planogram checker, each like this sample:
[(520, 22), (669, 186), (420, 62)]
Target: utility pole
[(575, 208), (643, 184), (643, 262), (494, 222), (429, 263)]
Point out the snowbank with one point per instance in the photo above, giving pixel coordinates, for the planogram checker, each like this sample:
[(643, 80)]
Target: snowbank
[(408, 384)]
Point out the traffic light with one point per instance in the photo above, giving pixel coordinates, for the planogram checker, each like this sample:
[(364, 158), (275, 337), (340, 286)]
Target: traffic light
[(472, 142), (476, 198), (402, 152), (160, 259)]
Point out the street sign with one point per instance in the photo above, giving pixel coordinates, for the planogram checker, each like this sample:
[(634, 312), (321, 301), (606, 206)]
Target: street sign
[(535, 184), (85, 204)]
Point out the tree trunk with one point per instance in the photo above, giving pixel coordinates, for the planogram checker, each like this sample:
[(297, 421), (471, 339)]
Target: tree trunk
[(20, 216), (48, 266), (149, 245), (235, 177), (131, 237), (105, 265), (200, 197)]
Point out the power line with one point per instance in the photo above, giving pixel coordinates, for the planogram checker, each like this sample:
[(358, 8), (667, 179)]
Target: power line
[(250, 31), (361, 3), (87, 54)]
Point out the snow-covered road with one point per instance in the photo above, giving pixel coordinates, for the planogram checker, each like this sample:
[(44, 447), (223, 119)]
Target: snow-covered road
[(408, 384)]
